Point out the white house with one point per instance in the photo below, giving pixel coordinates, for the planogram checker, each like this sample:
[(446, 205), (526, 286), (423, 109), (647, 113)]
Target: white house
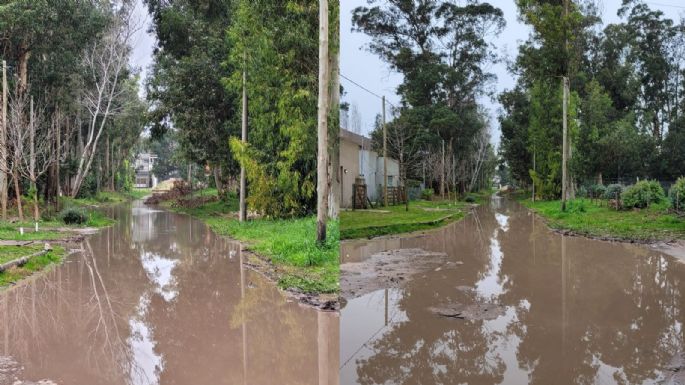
[(144, 164), (357, 159)]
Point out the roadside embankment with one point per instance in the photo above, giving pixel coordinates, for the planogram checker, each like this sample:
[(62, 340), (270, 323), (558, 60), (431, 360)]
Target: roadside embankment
[(597, 219)]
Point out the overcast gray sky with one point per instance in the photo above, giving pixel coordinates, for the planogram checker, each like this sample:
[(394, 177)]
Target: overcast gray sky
[(143, 43), (365, 68)]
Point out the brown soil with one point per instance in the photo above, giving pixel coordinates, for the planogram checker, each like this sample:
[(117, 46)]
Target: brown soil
[(387, 269)]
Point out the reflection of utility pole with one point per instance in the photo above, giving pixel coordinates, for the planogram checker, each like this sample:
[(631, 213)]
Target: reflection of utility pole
[(563, 295), (385, 159), (244, 323), (325, 336), (386, 307)]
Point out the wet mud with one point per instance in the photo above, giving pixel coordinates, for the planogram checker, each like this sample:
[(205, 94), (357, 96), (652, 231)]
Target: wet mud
[(159, 299), (386, 269), (560, 309)]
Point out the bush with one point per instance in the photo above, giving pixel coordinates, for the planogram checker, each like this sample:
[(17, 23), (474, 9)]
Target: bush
[(642, 194), (677, 194), (427, 194), (583, 192), (73, 216), (597, 191), (613, 191), (470, 199)]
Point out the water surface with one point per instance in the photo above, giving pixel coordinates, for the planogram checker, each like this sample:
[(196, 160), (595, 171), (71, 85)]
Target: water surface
[(159, 299), (576, 311)]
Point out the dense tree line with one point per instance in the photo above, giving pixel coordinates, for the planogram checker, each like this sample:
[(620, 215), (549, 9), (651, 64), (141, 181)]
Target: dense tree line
[(440, 131), (204, 50), (72, 98), (626, 102)]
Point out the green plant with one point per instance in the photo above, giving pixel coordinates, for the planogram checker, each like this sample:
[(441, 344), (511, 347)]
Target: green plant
[(676, 194), (427, 194), (642, 194), (613, 191), (597, 191), (470, 199), (73, 216)]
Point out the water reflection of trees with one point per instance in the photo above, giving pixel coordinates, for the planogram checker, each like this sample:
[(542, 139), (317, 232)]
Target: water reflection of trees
[(109, 316), (580, 312)]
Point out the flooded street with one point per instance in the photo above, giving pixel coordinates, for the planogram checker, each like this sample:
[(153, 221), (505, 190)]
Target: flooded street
[(570, 310), (159, 299)]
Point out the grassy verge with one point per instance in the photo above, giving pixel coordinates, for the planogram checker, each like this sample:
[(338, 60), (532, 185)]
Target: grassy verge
[(596, 219), (289, 244), (35, 264), (395, 219)]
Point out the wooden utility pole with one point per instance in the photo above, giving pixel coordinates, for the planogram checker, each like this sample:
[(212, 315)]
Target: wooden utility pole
[(322, 158), (442, 172), (243, 181), (3, 144), (564, 160), (385, 158)]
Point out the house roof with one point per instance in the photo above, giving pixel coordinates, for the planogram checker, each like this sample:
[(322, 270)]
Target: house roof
[(355, 138)]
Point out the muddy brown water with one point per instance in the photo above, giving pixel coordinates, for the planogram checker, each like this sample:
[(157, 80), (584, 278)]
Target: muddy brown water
[(159, 299), (574, 310)]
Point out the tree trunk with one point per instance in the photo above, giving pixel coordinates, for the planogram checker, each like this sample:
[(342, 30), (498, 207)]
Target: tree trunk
[(17, 194), (217, 180), (322, 161)]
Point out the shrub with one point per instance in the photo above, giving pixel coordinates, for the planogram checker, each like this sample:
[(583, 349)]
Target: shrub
[(470, 199), (583, 192), (597, 190), (677, 194), (427, 194), (73, 216), (642, 194), (613, 191)]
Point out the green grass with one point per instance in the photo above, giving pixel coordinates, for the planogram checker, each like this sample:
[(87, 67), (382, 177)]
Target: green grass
[(395, 219), (35, 264), (592, 218), (140, 193), (289, 244)]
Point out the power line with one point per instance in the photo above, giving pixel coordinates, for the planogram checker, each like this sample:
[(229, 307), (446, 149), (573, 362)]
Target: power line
[(366, 89)]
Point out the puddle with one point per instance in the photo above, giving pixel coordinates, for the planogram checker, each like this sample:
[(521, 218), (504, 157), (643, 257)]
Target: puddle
[(565, 310), (159, 299)]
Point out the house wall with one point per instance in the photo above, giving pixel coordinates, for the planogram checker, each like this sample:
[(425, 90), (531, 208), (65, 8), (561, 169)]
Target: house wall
[(349, 161), (393, 173)]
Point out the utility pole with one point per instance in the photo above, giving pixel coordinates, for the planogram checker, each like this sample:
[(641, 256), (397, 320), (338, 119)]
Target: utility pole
[(3, 144), (442, 172), (322, 161), (385, 158), (564, 160), (243, 182)]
